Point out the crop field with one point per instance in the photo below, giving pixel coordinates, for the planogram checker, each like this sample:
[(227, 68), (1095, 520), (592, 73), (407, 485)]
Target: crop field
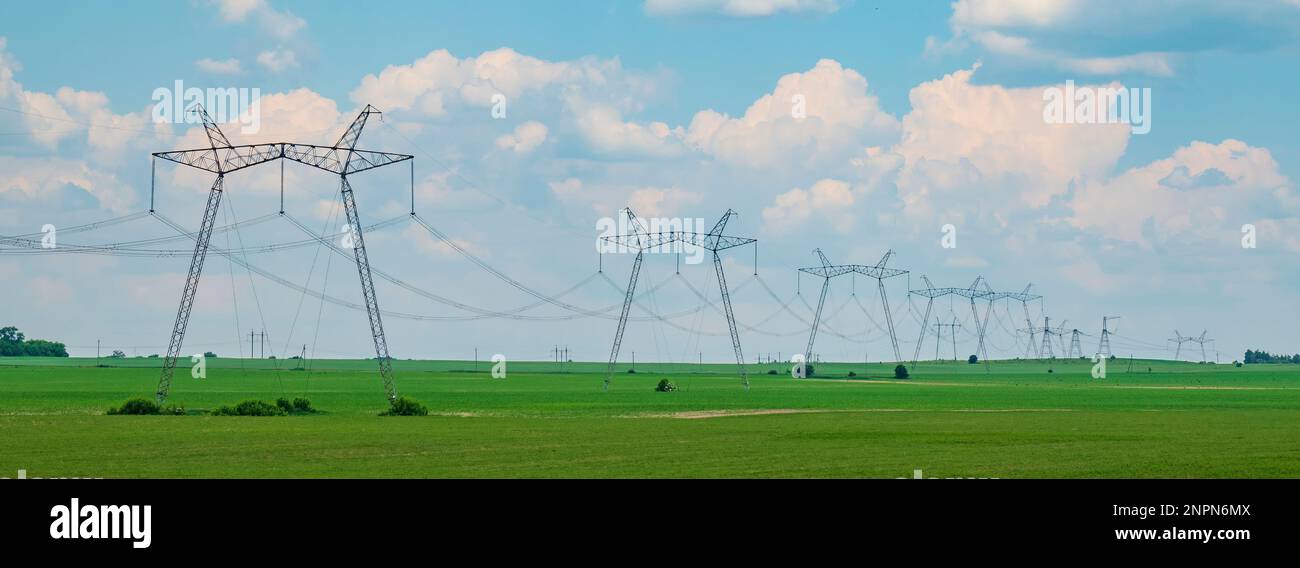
[(1006, 420)]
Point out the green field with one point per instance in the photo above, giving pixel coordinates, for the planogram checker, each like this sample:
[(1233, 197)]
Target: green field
[(1007, 420)]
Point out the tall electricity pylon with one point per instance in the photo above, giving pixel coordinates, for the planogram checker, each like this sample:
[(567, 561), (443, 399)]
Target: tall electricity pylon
[(221, 157), (972, 292), (879, 272), (641, 240), (1076, 348), (1103, 346), (1023, 296)]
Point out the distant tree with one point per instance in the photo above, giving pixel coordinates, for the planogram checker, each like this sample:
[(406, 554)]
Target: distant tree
[(1261, 356), (117, 354), (973, 360), (209, 355), (900, 372), (14, 344), (43, 348), (11, 342)]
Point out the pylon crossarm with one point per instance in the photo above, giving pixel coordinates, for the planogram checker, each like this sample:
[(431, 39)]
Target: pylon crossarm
[(201, 240), (651, 241), (827, 271), (234, 158), (225, 160), (333, 159)]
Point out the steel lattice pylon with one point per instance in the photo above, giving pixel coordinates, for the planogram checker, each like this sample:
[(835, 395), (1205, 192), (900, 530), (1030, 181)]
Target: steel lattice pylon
[(1046, 351), (641, 239), (1023, 296), (221, 158), (879, 272), (1103, 345), (931, 292)]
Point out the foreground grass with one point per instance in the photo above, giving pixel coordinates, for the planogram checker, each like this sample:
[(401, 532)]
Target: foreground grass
[(952, 420)]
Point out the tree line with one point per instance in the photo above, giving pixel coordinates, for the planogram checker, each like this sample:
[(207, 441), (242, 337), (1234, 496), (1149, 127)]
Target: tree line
[(14, 344), (1266, 357)]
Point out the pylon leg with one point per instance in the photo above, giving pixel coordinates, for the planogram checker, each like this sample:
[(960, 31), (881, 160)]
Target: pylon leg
[(622, 318), (925, 321), (983, 329), (368, 291), (889, 320), (731, 319), (812, 335), (201, 240), (1033, 345)]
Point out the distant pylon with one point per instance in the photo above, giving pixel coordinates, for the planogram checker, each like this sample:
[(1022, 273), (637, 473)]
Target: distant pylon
[(1046, 351), (1103, 346), (1180, 339), (879, 272), (1076, 349)]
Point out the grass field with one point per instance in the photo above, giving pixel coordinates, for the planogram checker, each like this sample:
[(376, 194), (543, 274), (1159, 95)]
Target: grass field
[(1007, 420)]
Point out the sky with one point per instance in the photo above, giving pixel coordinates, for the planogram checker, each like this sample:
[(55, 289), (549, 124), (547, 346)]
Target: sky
[(850, 126)]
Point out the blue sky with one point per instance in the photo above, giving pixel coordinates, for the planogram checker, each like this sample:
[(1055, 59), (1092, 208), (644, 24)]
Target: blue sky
[(922, 114)]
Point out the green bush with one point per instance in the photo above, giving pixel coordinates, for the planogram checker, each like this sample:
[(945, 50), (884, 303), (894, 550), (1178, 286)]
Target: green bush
[(973, 360), (302, 405), (137, 407), (771, 371), (249, 408), (900, 372), (406, 407), (808, 370), (284, 404), (665, 385)]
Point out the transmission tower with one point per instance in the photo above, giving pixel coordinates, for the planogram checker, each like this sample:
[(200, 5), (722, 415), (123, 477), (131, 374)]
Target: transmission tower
[(938, 338), (641, 240), (1202, 341), (931, 292), (221, 157), (1023, 296), (1076, 348), (1103, 346), (1046, 351), (1179, 339), (879, 272)]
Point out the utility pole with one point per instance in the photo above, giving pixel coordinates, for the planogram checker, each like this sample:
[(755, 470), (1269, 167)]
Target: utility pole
[(938, 338)]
